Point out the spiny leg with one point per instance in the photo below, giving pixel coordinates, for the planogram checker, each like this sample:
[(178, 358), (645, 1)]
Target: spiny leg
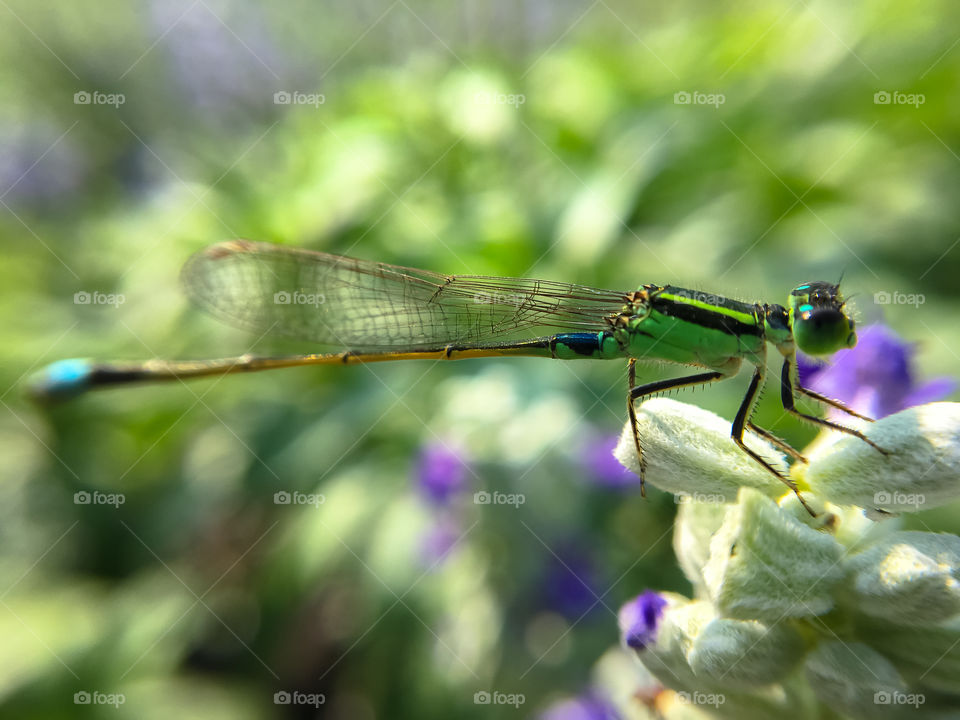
[(743, 417), (831, 402), (787, 388), (650, 389), (778, 441)]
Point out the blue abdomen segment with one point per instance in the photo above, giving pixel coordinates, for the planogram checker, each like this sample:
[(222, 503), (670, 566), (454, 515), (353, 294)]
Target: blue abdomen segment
[(571, 346), (62, 379)]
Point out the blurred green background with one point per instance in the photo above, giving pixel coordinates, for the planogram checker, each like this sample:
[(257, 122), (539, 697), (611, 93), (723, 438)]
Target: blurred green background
[(536, 139)]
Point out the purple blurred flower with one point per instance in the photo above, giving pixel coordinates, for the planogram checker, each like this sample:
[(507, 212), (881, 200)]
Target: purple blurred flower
[(589, 706), (876, 378), (439, 541), (36, 168), (570, 583), (207, 57), (441, 473), (603, 468), (638, 619)]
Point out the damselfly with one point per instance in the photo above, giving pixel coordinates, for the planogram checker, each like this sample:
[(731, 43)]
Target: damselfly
[(379, 312)]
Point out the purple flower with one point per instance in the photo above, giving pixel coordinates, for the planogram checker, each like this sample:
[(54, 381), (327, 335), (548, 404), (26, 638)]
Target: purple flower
[(441, 473), (638, 619), (207, 58), (439, 541), (24, 179), (876, 378), (570, 583), (589, 706), (603, 468)]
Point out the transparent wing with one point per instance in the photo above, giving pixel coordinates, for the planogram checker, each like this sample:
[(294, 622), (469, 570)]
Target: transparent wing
[(366, 305)]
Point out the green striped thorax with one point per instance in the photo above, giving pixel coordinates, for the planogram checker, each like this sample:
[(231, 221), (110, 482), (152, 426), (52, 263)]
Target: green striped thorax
[(820, 326)]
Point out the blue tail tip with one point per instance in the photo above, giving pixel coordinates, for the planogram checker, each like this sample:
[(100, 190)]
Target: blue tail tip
[(62, 379)]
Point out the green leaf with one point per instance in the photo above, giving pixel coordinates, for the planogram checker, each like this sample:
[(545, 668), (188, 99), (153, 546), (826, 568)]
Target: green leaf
[(920, 470), (766, 565), (689, 452)]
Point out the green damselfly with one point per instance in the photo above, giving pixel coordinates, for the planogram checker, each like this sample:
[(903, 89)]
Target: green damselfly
[(380, 312)]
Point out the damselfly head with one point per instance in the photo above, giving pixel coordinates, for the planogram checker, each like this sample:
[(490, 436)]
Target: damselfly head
[(820, 324)]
